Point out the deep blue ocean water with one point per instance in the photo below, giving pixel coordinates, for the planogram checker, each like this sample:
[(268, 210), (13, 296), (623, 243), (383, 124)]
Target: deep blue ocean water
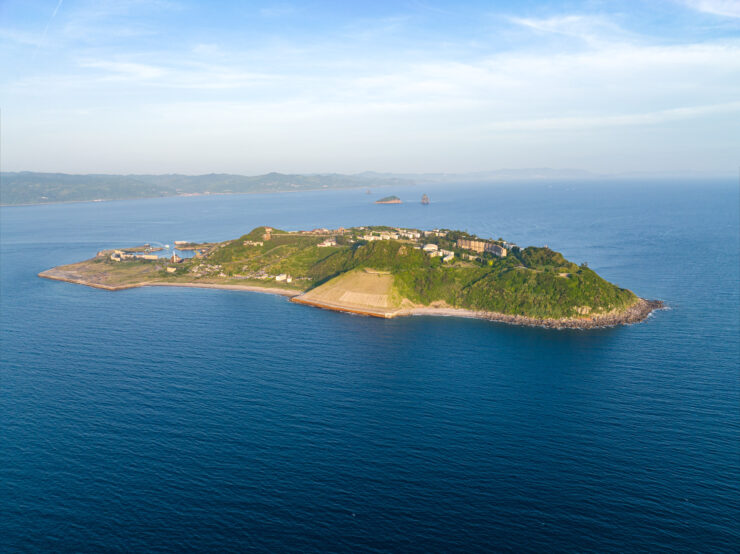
[(161, 419)]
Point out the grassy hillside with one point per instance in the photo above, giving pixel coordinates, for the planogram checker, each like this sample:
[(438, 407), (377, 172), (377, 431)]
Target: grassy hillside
[(536, 282)]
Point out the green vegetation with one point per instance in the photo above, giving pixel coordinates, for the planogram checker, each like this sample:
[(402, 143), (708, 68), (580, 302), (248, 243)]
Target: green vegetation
[(389, 200), (534, 282)]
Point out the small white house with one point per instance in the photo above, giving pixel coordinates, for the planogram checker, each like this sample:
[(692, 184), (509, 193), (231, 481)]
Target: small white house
[(281, 277), (327, 242), (430, 248)]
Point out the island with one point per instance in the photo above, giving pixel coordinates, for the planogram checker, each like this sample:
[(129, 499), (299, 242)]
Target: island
[(383, 272), (389, 200)]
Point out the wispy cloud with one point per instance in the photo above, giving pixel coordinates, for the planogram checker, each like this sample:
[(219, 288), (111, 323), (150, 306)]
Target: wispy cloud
[(374, 84), (726, 8), (126, 71), (588, 28)]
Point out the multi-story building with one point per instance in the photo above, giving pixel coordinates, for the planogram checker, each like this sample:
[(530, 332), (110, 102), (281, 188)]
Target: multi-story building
[(482, 246)]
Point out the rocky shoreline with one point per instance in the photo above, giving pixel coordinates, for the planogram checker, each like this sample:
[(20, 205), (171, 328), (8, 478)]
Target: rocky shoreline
[(636, 313)]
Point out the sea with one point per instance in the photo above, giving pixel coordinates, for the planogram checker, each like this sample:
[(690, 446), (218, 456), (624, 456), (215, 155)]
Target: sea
[(173, 420)]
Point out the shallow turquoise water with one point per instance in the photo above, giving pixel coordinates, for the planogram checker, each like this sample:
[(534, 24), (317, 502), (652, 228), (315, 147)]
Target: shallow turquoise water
[(170, 419)]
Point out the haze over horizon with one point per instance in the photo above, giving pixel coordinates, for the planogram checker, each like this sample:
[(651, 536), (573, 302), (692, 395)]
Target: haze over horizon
[(413, 87)]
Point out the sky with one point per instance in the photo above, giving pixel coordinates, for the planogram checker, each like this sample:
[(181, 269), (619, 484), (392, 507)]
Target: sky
[(177, 86)]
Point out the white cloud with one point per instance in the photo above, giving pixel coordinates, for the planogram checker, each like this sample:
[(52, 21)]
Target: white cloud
[(124, 71), (319, 101)]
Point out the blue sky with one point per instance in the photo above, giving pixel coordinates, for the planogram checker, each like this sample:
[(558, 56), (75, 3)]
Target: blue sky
[(162, 86)]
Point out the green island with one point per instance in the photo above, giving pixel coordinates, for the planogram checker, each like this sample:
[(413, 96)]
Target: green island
[(383, 272), (389, 200)]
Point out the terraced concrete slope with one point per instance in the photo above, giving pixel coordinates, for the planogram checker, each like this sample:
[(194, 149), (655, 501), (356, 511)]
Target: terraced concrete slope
[(362, 291)]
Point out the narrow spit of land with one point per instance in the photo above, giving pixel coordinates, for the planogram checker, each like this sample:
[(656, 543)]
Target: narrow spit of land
[(382, 272)]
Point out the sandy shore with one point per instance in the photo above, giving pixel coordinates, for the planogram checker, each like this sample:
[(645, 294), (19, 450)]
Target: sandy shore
[(56, 275), (634, 314), (250, 288)]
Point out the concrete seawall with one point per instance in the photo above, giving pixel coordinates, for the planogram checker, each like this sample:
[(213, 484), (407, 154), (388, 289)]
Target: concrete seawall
[(337, 308)]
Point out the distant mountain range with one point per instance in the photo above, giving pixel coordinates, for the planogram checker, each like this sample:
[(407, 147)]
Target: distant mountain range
[(27, 187), (37, 188)]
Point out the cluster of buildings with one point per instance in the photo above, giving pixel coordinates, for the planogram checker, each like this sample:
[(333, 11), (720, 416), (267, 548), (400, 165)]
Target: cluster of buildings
[(391, 235), (435, 251), (120, 255), (435, 233), (202, 269), (473, 245), (477, 246), (384, 235), (322, 231), (262, 275), (408, 234)]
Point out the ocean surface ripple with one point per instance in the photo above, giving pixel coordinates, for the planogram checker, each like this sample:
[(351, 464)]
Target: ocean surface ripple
[(164, 419)]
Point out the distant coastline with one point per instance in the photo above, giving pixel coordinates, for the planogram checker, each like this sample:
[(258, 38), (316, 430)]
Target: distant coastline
[(27, 188), (184, 195), (36, 188)]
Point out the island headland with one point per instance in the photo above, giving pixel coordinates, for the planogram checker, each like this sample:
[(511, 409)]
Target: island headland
[(382, 272)]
